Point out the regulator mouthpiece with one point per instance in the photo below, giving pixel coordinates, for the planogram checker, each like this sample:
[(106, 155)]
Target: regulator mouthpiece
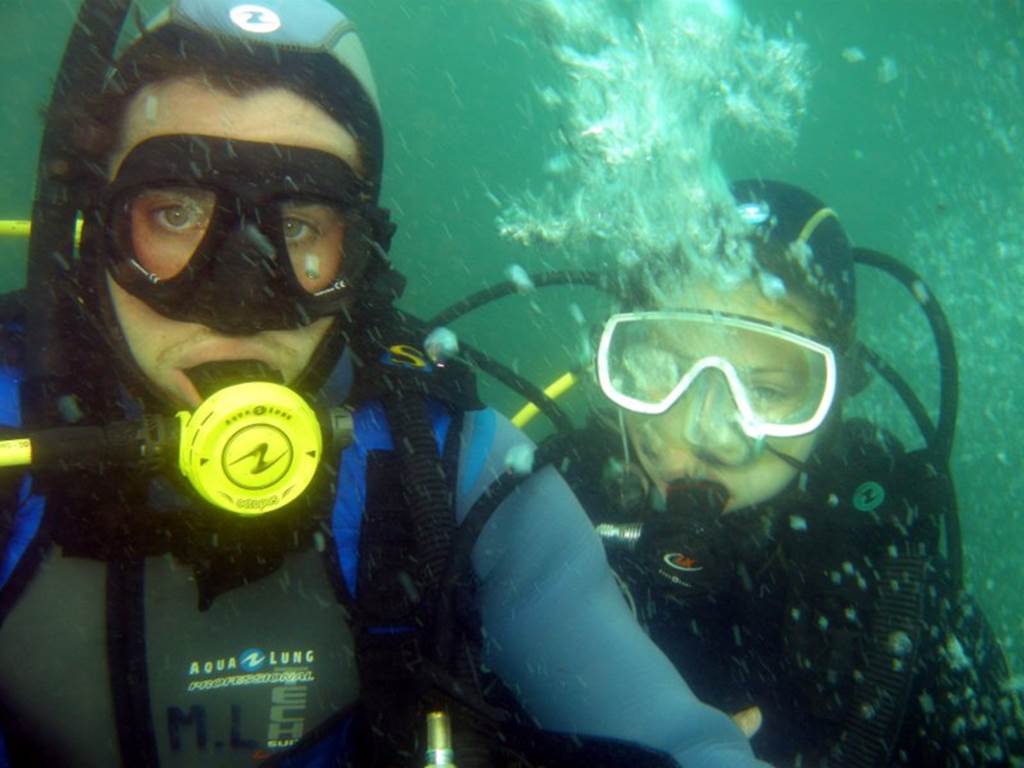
[(702, 502), (250, 448)]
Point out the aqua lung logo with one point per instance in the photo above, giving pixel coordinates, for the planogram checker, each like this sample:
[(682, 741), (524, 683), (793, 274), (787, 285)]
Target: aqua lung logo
[(251, 660), (257, 457), (255, 19)]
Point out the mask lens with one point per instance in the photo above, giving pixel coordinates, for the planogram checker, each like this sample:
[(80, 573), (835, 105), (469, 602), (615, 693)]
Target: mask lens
[(651, 361), (314, 235), (162, 227)]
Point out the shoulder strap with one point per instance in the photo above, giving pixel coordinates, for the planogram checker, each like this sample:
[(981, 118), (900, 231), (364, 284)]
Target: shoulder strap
[(126, 652)]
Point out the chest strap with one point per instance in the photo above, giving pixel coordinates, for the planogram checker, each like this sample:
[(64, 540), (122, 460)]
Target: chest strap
[(126, 658)]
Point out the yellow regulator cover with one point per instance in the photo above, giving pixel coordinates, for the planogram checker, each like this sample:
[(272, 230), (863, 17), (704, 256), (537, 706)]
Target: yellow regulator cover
[(250, 448)]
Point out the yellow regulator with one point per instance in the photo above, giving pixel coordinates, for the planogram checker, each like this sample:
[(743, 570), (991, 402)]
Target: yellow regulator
[(250, 448)]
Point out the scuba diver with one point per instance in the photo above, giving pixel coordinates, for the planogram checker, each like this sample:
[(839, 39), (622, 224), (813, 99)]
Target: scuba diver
[(790, 562), (233, 479)]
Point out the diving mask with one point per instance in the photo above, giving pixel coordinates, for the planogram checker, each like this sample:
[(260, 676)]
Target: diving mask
[(238, 236), (781, 383)]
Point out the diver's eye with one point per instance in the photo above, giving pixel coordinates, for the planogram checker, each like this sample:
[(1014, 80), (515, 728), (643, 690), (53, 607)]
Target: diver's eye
[(768, 395), (172, 211), (297, 230), (178, 218)]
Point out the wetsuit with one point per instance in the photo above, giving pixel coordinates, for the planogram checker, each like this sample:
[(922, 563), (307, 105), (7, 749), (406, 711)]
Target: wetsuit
[(237, 657), (777, 607)]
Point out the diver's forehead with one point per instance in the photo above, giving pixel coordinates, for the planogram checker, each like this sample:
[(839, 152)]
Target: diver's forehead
[(744, 299), (272, 116)]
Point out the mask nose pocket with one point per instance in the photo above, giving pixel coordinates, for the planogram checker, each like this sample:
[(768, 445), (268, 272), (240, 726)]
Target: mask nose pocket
[(712, 421)]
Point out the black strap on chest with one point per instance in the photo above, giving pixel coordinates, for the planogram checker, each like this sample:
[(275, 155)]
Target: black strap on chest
[(873, 720), (126, 655), (416, 639)]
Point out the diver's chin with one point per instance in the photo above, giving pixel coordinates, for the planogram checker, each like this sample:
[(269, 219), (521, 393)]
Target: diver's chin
[(182, 391)]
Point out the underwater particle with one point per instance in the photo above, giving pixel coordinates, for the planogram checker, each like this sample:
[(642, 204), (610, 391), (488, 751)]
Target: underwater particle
[(311, 266), (772, 286), (927, 703), (441, 345), (628, 258), (151, 108), (549, 97), (920, 291), (853, 55), (558, 164), (520, 277), (955, 653), (577, 314), (900, 643), (262, 243), (798, 523), (754, 213), (69, 409), (519, 459), (888, 70), (823, 623)]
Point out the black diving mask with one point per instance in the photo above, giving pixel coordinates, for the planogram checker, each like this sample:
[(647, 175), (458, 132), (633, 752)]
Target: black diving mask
[(239, 236)]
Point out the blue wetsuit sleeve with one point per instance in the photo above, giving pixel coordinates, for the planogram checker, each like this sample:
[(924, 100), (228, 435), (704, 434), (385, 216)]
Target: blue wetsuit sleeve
[(557, 629)]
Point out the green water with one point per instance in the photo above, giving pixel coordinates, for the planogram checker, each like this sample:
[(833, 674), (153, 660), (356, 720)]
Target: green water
[(920, 157)]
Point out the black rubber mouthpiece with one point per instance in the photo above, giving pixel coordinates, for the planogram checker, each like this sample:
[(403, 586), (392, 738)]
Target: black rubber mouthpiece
[(211, 377), (701, 501)]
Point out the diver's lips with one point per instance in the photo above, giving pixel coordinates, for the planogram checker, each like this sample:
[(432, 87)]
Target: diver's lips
[(221, 350)]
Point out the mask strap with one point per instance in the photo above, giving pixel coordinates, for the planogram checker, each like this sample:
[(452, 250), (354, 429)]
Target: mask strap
[(625, 439), (793, 462)]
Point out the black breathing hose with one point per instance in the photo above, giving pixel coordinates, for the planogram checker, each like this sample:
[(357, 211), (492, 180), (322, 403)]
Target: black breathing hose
[(941, 441), (87, 56)]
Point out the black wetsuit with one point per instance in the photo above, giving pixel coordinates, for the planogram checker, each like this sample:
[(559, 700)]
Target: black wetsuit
[(777, 607), (112, 645)]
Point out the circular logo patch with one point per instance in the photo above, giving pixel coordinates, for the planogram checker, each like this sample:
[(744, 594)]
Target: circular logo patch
[(255, 18), (681, 562), (257, 457), (868, 496)]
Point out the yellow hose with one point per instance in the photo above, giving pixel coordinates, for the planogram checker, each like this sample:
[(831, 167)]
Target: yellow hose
[(20, 228), (15, 453), (554, 390)]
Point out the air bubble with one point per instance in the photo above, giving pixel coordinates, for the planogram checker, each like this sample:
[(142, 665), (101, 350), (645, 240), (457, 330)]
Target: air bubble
[(441, 345), (519, 459)]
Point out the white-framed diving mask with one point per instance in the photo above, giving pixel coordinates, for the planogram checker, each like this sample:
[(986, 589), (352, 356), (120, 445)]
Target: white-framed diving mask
[(777, 382)]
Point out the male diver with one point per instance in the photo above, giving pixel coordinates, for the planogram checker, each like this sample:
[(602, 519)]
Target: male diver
[(226, 169), (788, 561)]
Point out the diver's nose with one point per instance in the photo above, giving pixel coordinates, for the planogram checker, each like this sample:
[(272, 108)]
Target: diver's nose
[(712, 422)]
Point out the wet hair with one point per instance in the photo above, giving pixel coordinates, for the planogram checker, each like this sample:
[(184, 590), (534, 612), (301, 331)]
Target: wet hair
[(94, 122)]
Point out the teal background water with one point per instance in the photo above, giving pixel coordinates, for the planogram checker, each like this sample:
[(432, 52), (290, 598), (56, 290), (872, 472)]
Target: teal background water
[(921, 158)]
